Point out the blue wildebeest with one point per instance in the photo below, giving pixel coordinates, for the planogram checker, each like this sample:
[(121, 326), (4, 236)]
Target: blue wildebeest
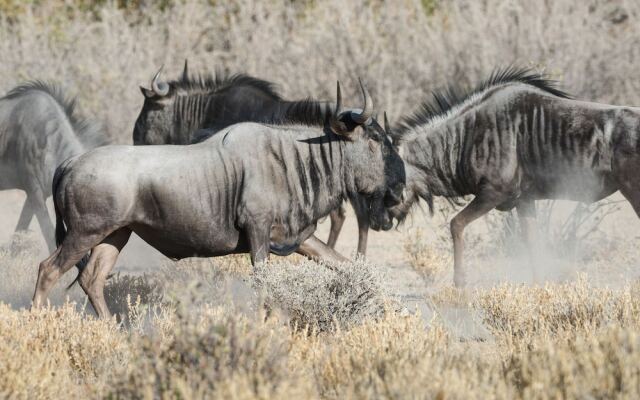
[(512, 140), (39, 128), (194, 107), (251, 188)]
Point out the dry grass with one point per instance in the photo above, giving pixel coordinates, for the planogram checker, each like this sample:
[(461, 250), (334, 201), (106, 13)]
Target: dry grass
[(571, 340), (403, 49)]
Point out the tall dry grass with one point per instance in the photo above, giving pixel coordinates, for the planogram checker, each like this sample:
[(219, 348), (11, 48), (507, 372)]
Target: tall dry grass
[(570, 340), (103, 51)]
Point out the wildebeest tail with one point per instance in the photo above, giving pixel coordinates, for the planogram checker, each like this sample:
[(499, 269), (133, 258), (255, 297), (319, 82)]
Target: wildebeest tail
[(61, 231)]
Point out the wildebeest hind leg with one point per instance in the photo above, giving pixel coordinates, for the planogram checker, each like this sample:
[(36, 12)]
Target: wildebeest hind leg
[(259, 240), (527, 216), (337, 220), (484, 202), (94, 275), (72, 249)]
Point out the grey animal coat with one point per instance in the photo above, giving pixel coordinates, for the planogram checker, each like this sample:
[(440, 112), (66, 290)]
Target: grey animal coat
[(513, 140), (39, 128), (191, 109), (256, 188)]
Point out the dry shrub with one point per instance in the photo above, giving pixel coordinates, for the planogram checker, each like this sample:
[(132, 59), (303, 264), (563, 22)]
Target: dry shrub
[(125, 292), (322, 295), (428, 259), (57, 353), (558, 341), (604, 365), (519, 315), (213, 353), (396, 357)]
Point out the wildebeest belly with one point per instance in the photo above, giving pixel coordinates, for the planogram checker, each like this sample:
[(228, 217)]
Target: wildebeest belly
[(184, 242), (569, 183)]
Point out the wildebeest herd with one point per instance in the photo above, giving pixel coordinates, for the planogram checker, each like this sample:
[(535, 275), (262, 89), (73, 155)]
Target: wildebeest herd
[(226, 165)]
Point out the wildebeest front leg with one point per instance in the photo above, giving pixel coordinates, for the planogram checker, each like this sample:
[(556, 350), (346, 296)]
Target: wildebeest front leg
[(527, 216), (258, 236), (44, 220), (337, 220), (361, 209), (315, 249), (36, 203), (481, 204), (25, 216)]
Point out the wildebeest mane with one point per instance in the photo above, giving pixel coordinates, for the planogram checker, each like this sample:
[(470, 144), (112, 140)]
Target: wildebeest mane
[(220, 82), (87, 131), (444, 101), (278, 112)]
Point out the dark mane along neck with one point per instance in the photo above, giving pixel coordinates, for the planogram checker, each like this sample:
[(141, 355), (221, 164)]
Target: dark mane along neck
[(218, 83), (307, 112), (444, 102), (213, 103), (431, 147)]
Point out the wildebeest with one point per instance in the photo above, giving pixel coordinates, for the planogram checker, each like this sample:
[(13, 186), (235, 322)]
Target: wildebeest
[(194, 107), (39, 128), (512, 140), (251, 188)]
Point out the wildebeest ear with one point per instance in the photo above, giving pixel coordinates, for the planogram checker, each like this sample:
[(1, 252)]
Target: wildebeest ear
[(147, 93)]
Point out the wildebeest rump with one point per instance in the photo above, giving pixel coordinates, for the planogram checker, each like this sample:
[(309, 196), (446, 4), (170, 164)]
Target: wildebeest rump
[(252, 188), (39, 128), (193, 108), (512, 140)]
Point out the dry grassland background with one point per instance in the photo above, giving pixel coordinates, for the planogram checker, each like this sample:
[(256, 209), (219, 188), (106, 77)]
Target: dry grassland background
[(389, 327)]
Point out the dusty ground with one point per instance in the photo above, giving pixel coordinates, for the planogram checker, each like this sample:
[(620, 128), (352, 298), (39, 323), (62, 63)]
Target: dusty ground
[(386, 251)]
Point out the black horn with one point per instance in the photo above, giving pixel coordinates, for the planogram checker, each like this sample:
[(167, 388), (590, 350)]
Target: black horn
[(367, 109), (185, 71), (158, 87), (338, 126), (387, 126)]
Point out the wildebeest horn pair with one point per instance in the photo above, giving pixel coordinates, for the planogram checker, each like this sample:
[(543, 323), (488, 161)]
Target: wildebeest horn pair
[(359, 118), (160, 88)]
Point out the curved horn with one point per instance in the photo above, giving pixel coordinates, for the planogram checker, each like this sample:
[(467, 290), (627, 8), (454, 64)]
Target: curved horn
[(367, 109), (338, 109), (159, 88), (336, 125), (185, 71), (387, 127)]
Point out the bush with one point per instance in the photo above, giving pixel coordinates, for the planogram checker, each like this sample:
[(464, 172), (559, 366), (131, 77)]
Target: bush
[(214, 355), (322, 295)]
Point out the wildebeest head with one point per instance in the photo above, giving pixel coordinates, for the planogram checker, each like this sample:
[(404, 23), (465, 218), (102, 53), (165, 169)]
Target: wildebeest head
[(376, 170), (173, 111), (153, 120)]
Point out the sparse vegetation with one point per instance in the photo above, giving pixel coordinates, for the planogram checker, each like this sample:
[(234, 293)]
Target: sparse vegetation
[(294, 328), (571, 340)]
